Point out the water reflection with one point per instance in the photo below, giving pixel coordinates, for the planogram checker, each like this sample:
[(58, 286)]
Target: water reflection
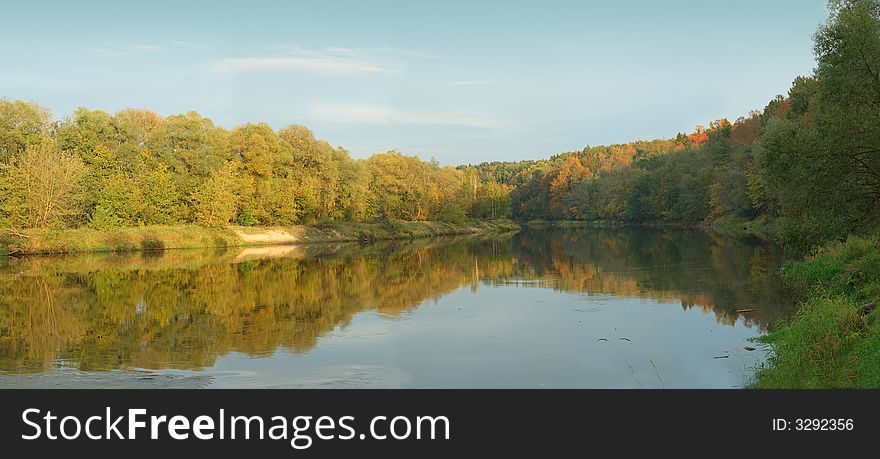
[(716, 273), (185, 309)]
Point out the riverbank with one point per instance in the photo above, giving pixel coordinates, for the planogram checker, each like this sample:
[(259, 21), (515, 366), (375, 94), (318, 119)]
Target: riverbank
[(833, 341), (759, 228), (146, 238), (606, 224)]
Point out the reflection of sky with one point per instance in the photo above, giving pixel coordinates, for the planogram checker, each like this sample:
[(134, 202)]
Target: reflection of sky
[(512, 337)]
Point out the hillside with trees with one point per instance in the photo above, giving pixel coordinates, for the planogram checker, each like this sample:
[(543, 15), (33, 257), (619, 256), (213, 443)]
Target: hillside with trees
[(805, 168)]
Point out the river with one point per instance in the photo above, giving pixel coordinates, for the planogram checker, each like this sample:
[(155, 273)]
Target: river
[(541, 308)]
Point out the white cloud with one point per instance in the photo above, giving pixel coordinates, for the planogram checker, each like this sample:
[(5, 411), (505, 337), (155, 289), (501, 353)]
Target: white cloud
[(328, 61), (472, 82), (378, 114), (116, 49), (325, 65), (187, 45), (352, 114), (377, 52), (125, 49)]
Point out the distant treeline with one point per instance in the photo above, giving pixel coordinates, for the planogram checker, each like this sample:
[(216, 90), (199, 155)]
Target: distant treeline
[(806, 167), (138, 168)]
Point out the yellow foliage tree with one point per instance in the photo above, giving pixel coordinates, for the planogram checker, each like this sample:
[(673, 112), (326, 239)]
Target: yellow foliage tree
[(43, 187)]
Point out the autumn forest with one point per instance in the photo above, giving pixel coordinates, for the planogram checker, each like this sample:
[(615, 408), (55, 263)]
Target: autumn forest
[(758, 172)]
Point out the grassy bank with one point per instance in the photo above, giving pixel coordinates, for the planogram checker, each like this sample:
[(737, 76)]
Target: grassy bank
[(83, 240), (605, 224), (760, 227), (737, 227), (834, 338)]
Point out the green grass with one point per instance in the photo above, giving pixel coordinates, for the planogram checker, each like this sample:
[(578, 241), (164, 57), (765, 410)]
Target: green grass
[(733, 226), (829, 343), (151, 238), (760, 227), (119, 240), (850, 269)]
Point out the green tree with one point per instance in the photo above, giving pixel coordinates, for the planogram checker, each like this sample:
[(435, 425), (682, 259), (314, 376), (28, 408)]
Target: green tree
[(216, 202), (116, 196), (43, 187), (21, 124), (161, 197), (822, 157)]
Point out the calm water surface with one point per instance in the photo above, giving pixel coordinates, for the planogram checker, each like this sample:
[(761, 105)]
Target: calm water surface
[(618, 308)]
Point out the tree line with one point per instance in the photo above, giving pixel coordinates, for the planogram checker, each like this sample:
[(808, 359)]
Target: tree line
[(807, 166), (135, 167)]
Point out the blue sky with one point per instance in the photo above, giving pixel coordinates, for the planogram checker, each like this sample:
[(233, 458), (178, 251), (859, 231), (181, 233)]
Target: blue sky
[(459, 81)]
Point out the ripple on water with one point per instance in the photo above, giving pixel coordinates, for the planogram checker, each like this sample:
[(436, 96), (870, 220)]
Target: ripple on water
[(117, 379)]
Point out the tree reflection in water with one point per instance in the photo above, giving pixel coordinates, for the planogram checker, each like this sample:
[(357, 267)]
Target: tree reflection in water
[(184, 309)]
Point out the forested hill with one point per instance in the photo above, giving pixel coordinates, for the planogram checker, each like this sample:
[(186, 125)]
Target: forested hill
[(805, 168), (702, 176)]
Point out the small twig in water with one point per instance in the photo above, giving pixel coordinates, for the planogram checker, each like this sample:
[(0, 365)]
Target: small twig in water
[(662, 386), (631, 369)]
